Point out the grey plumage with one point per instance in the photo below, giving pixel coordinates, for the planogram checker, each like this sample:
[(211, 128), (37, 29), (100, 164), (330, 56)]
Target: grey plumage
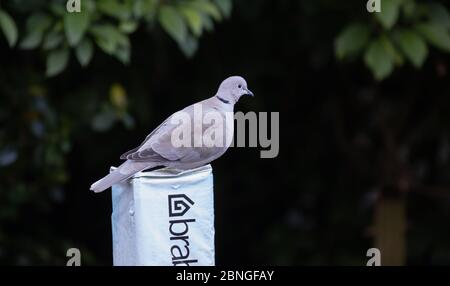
[(157, 150)]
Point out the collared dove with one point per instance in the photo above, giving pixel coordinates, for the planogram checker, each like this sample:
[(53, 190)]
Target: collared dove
[(158, 149)]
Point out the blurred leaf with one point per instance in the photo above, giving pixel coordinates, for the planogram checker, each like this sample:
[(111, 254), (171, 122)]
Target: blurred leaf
[(9, 28), (436, 35), (395, 55), (145, 8), (52, 40), (103, 121), (118, 96), (108, 37), (189, 46), (57, 62), (90, 5), (207, 7), (58, 9), (31, 41), (37, 24), (379, 59), (128, 27), (123, 54), (413, 46), (75, 25), (114, 9), (194, 20), (37, 90), (208, 24), (352, 40), (37, 128), (106, 44), (173, 23), (123, 50), (8, 156), (84, 52), (409, 9), (438, 14), (139, 7), (225, 7), (128, 121), (389, 13)]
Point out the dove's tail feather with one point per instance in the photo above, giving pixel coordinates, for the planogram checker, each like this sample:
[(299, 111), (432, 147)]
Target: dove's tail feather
[(123, 172)]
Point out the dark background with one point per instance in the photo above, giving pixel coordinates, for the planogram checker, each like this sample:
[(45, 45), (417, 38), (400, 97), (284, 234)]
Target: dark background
[(363, 162)]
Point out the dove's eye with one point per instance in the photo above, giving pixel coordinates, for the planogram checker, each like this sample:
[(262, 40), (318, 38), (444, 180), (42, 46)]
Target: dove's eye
[(240, 86)]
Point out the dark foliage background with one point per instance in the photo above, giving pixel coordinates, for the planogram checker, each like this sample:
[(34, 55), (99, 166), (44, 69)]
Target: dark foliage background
[(364, 156)]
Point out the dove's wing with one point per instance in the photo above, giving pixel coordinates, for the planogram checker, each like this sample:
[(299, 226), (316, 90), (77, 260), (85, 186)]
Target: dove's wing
[(160, 143), (164, 128), (124, 156), (162, 134)]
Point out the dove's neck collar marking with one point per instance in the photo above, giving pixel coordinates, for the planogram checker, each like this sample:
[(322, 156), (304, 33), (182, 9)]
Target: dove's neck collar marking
[(223, 100)]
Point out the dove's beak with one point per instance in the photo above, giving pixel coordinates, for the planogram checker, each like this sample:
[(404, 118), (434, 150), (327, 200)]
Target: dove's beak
[(248, 92)]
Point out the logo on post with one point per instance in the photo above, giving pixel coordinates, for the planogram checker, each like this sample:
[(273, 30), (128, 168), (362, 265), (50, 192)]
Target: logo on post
[(179, 204), (180, 249)]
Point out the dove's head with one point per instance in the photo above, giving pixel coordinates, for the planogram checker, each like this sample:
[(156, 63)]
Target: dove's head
[(232, 88)]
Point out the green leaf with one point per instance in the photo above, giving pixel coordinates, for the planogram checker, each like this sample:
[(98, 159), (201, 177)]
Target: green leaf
[(112, 42), (379, 59), (352, 40), (57, 62), (90, 5), (389, 13), (36, 25), (145, 8), (31, 41), (208, 24), (9, 28), (194, 19), (395, 55), (128, 27), (436, 35), (138, 8), (115, 9), (58, 9), (410, 10), (413, 46), (39, 22), (173, 23), (225, 7), (108, 37), (189, 46), (75, 25), (206, 7), (52, 40), (106, 45), (123, 54), (84, 52)]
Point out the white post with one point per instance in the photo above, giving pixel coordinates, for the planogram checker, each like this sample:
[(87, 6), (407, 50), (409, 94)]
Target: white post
[(164, 218)]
